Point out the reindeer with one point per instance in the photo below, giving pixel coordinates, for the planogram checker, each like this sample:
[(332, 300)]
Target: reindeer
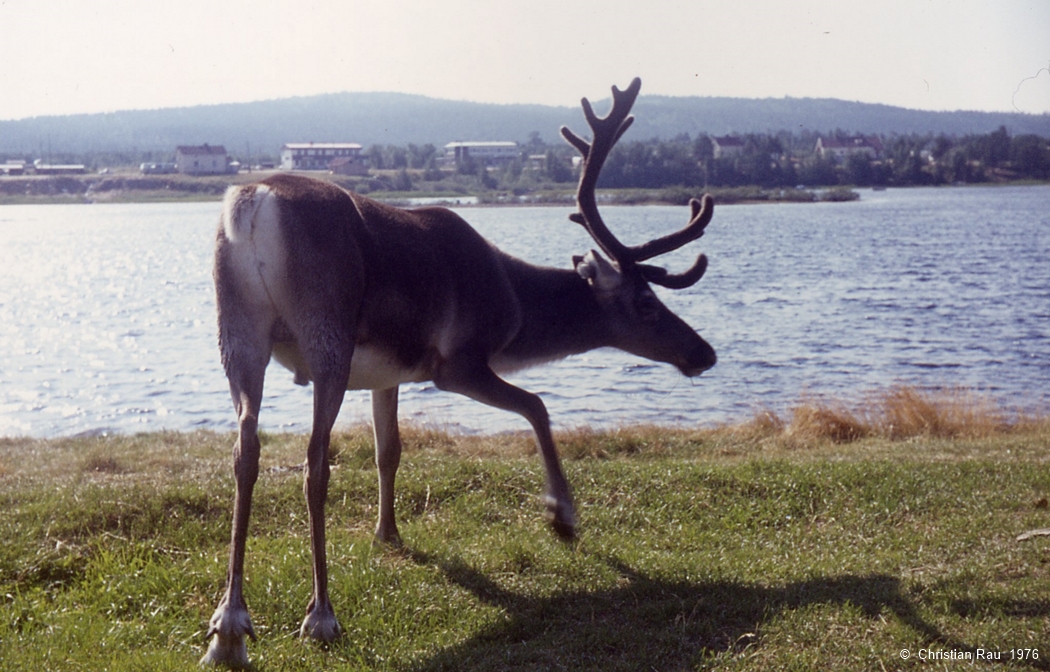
[(353, 294)]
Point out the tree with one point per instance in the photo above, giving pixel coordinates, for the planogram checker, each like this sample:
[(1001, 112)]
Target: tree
[(818, 171), (759, 163), (906, 159), (704, 152), (397, 157), (431, 172), (651, 165), (466, 165), (486, 180), (858, 169), (557, 168), (419, 156), (960, 167), (1030, 156), (375, 157), (908, 171), (402, 181), (992, 149), (535, 145), (513, 170), (941, 146)]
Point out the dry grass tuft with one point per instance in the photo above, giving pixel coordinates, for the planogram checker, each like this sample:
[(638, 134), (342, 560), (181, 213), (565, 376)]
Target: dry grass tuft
[(1033, 426), (905, 412), (900, 413), (764, 423), (836, 423), (764, 430)]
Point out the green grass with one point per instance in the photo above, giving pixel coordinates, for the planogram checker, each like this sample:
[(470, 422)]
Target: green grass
[(752, 547)]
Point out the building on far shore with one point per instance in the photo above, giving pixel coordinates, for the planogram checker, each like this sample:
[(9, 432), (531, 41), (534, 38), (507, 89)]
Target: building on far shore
[(41, 168), (838, 149), (201, 160), (494, 153), (726, 147), (344, 158), (153, 168), (13, 167)]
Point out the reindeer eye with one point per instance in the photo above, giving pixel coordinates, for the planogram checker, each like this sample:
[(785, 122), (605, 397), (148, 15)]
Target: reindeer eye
[(648, 307)]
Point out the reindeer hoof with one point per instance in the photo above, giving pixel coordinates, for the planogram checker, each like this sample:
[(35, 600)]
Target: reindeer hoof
[(228, 628), (387, 540), (561, 517), (565, 531), (322, 625), (230, 652)]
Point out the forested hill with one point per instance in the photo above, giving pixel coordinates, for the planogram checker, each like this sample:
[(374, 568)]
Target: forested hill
[(260, 128)]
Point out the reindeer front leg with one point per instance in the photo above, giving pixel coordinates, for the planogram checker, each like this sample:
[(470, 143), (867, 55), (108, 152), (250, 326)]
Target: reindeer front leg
[(474, 379)]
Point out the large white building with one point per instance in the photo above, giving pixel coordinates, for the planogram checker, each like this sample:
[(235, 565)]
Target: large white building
[(201, 160), (484, 153), (839, 149), (342, 157)]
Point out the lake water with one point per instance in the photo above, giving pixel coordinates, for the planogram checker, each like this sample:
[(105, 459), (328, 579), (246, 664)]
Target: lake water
[(107, 315)]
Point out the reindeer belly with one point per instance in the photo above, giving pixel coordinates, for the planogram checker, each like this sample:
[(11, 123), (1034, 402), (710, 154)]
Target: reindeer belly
[(372, 368)]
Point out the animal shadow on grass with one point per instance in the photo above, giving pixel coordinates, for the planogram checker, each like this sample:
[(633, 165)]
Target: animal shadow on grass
[(664, 625)]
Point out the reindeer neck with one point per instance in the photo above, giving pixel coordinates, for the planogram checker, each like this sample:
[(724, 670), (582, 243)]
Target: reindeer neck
[(559, 314)]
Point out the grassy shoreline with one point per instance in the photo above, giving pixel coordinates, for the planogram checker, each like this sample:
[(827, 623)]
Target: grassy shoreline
[(830, 539), (134, 188)]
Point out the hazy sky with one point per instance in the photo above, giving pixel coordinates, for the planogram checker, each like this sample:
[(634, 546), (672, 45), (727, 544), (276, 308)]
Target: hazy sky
[(72, 56)]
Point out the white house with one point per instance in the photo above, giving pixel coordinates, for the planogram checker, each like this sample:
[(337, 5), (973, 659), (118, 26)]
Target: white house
[(484, 153), (203, 160), (339, 157), (13, 167), (727, 146), (838, 149)]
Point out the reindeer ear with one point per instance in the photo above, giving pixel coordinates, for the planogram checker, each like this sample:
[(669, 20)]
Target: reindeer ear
[(599, 272), (584, 267)]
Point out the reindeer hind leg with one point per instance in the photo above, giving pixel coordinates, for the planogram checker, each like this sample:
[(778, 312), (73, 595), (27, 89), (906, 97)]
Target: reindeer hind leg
[(388, 458), (245, 356), (328, 355)]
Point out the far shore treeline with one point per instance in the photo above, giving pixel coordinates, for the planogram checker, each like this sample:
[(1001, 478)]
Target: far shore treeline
[(775, 160), (779, 160), (765, 167)]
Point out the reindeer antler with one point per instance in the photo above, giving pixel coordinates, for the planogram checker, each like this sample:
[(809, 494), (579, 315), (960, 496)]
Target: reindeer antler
[(607, 131)]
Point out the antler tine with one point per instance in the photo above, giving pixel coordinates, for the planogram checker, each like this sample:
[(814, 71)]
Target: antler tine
[(701, 217), (659, 276), (617, 118), (606, 131), (576, 141)]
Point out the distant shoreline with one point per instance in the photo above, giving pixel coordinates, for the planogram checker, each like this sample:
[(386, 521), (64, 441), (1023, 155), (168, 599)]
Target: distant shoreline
[(136, 188)]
